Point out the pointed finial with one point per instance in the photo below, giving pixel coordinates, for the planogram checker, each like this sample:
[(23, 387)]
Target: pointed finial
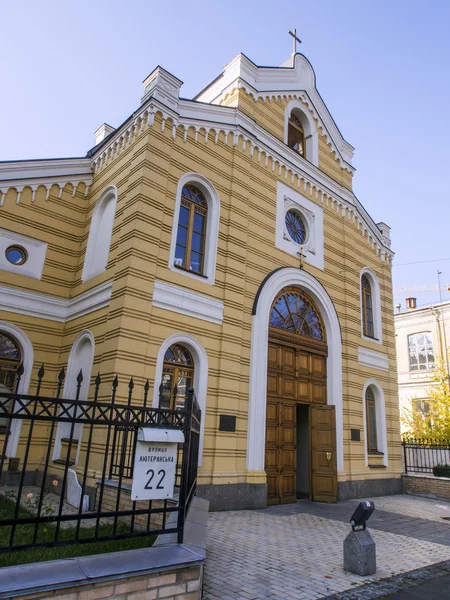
[(80, 377), (115, 382), (20, 370), (61, 375), (98, 380), (41, 372)]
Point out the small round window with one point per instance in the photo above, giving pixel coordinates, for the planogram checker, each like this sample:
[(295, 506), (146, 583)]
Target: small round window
[(295, 226), (16, 255)]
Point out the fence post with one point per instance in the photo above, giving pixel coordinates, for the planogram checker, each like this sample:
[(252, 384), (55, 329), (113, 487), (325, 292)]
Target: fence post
[(185, 465), (404, 456)]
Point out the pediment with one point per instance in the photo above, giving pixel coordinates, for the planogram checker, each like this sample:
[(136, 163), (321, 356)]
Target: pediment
[(294, 79)]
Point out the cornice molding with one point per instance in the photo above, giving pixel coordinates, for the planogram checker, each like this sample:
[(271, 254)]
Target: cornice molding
[(186, 302), (35, 173), (373, 359), (209, 121), (32, 304)]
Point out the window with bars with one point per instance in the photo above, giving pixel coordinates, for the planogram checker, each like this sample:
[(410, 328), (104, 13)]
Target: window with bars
[(371, 421), (367, 307), (191, 233), (177, 377), (296, 135), (421, 353)]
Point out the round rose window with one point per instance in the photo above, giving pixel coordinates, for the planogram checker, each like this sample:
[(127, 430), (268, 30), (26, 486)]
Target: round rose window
[(295, 226), (16, 255)]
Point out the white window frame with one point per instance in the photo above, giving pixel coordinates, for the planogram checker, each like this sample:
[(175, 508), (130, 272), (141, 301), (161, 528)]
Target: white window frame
[(309, 130), (93, 263), (376, 306), (212, 227), (380, 411), (409, 358)]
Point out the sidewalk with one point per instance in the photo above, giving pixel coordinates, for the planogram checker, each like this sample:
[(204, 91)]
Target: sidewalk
[(294, 551)]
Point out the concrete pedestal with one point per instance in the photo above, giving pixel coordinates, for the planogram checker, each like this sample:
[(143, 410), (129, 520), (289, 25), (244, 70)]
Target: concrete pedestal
[(359, 553)]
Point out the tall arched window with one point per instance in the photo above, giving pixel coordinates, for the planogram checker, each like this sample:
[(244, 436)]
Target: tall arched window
[(191, 233), (100, 234), (296, 135), (10, 359), (177, 377), (371, 421), (367, 307)]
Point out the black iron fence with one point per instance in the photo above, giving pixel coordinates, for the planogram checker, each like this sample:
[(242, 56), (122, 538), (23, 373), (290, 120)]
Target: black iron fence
[(66, 466), (423, 455)]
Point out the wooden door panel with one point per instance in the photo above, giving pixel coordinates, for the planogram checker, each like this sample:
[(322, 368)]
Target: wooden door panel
[(319, 393), (318, 365), (272, 384), (272, 355), (288, 387), (288, 359), (303, 391), (302, 361), (323, 453)]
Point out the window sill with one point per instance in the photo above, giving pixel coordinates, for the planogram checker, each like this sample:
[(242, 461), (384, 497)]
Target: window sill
[(377, 466), (375, 453), (374, 340), (189, 272)]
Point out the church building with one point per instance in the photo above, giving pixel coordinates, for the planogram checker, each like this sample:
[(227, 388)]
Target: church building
[(215, 243)]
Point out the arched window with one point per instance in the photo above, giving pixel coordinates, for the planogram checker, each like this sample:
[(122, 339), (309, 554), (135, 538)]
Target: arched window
[(177, 377), (421, 353), (100, 234), (295, 313), (367, 307), (371, 421), (10, 359), (191, 233), (296, 135)]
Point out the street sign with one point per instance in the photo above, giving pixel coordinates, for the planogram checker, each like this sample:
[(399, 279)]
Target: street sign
[(155, 462)]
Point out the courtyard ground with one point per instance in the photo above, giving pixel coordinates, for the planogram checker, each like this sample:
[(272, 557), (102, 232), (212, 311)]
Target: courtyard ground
[(295, 551)]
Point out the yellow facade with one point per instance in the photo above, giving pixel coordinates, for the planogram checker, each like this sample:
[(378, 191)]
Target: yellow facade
[(130, 330)]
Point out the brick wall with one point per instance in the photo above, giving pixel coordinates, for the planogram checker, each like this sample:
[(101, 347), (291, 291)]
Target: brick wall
[(426, 485), (181, 584)]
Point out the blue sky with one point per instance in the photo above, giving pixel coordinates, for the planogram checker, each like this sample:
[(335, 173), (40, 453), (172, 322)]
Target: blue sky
[(381, 67)]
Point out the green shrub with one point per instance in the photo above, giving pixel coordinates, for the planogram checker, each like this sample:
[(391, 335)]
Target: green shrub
[(441, 471)]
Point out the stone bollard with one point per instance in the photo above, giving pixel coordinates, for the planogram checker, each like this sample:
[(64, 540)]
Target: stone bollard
[(359, 553)]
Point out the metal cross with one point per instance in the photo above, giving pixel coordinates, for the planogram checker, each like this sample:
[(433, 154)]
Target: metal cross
[(295, 40), (302, 256)]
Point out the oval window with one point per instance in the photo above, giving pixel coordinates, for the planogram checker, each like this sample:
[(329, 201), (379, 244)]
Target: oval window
[(295, 226), (16, 255)]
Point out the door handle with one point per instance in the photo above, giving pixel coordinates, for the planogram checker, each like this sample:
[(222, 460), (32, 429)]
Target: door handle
[(328, 456)]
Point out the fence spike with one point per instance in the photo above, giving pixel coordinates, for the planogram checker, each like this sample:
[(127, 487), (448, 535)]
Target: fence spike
[(41, 372), (98, 380), (80, 377), (115, 382), (146, 387), (131, 384), (20, 370), (61, 375)]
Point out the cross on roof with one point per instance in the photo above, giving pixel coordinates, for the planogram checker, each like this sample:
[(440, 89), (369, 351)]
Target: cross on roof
[(302, 256), (295, 40)]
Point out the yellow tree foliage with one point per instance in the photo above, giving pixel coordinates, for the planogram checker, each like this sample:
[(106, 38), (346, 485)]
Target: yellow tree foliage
[(435, 423)]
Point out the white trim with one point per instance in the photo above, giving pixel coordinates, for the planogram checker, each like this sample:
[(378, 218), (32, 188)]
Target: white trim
[(200, 374), (380, 410), (258, 360), (372, 359), (376, 306), (34, 173), (23, 302), (309, 130), (36, 251), (187, 302), (74, 364), (212, 227), (312, 215), (100, 234), (26, 349), (297, 78)]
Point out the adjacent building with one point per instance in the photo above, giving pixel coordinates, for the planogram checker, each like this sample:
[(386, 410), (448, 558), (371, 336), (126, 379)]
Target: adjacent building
[(421, 338), (215, 243)]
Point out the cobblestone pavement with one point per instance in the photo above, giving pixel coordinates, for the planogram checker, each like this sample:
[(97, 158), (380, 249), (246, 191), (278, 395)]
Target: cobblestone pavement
[(294, 552)]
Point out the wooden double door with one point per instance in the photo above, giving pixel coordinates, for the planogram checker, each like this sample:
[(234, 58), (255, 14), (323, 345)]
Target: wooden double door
[(300, 427)]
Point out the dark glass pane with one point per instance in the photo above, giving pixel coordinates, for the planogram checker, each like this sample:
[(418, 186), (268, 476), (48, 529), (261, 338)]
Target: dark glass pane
[(292, 302), (316, 332), (197, 242), (311, 317), (8, 349), (182, 236), (199, 222), (304, 329), (184, 216), (276, 320), (298, 322), (196, 262), (295, 226), (179, 256), (289, 325), (281, 307), (186, 192)]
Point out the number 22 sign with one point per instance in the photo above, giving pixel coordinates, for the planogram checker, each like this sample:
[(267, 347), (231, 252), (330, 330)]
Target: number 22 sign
[(154, 470)]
